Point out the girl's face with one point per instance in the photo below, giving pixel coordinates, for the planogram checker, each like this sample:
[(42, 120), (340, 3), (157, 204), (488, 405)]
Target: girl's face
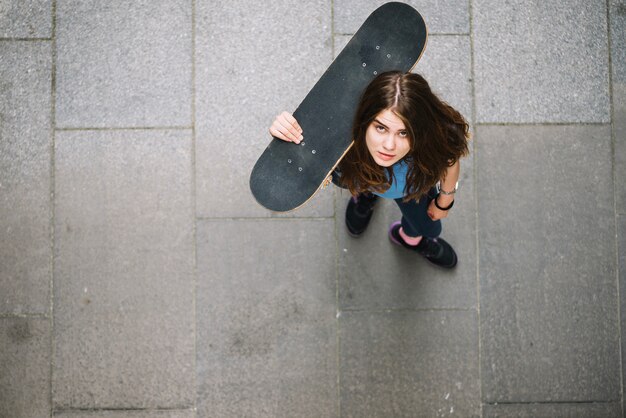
[(387, 139)]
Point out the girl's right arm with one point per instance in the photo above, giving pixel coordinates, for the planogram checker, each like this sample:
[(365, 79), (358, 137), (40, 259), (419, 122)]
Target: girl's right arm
[(286, 127)]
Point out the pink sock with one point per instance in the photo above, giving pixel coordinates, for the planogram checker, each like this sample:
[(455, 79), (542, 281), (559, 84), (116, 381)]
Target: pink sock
[(409, 240)]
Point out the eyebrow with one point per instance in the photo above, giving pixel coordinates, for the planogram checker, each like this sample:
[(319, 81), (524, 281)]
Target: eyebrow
[(380, 123), (385, 126)]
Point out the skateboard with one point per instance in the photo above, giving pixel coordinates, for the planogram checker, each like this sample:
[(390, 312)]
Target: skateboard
[(287, 175)]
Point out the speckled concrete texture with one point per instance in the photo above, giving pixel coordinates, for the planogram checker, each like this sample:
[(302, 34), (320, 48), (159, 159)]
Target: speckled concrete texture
[(244, 79), (547, 264), (569, 410), (127, 414), (26, 19), (123, 64), (124, 318), (24, 367), (139, 278), (25, 147), (409, 364), (267, 328), (541, 62), (440, 16)]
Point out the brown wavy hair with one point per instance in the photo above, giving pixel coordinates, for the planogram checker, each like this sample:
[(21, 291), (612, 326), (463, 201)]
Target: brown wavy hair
[(437, 133)]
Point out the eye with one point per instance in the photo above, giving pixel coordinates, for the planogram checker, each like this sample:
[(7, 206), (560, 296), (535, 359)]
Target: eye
[(380, 128), (404, 134)]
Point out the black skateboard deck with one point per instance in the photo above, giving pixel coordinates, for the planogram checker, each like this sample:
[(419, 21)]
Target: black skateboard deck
[(287, 175)]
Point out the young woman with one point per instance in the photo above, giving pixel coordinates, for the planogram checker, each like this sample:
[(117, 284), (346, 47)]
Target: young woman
[(407, 146)]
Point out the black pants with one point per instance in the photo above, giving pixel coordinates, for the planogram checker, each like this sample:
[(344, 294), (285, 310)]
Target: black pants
[(415, 220)]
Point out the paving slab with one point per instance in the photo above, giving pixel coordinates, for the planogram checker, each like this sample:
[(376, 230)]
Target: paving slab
[(440, 17), (548, 296), (617, 17), (127, 414), (564, 410), (26, 19), (621, 259), (122, 64), (409, 364), (24, 367), (376, 274), (25, 144), (123, 290), (244, 78), (619, 137), (446, 65), (267, 327), (541, 61)]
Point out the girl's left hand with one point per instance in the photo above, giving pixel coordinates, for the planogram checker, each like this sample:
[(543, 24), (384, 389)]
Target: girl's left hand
[(435, 213)]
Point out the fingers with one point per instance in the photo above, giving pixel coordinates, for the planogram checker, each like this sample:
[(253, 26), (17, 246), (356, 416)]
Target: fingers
[(435, 213), (286, 127)]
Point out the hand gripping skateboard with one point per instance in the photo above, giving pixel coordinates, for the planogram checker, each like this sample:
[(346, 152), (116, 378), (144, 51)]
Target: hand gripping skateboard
[(287, 175)]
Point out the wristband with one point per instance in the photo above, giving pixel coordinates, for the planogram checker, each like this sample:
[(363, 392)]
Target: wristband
[(440, 208)]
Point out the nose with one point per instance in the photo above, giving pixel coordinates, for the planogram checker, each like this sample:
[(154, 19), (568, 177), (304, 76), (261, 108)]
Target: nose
[(389, 142)]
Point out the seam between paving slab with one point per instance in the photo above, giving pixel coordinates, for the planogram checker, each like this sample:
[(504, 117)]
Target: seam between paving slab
[(396, 310), (128, 128), (615, 213), (24, 39), (25, 315), (336, 232), (476, 218), (555, 403), (53, 68), (194, 209), (523, 124), (65, 410)]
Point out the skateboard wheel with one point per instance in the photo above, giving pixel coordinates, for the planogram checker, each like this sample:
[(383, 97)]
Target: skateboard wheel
[(313, 152), (377, 46), (299, 168), (375, 72), (364, 64), (289, 161), (388, 55)]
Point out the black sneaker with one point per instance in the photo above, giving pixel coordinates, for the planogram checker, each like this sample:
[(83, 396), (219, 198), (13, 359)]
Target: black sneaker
[(359, 212), (435, 250)]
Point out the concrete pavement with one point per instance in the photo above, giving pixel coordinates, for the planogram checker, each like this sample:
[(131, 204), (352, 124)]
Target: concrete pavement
[(138, 277)]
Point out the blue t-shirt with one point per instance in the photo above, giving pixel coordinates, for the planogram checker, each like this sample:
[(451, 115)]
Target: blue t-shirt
[(396, 190)]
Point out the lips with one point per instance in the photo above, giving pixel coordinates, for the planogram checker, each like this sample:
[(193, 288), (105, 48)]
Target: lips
[(385, 157)]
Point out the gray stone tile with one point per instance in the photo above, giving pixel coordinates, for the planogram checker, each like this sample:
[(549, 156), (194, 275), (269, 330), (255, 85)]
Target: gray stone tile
[(339, 43), (244, 78), (122, 64), (266, 318), (376, 274), (547, 264), (24, 367), (446, 64), (409, 364), (25, 142), (124, 317), (617, 16), (563, 410), (127, 414), (440, 16), (621, 246), (541, 61), (619, 135), (26, 19)]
